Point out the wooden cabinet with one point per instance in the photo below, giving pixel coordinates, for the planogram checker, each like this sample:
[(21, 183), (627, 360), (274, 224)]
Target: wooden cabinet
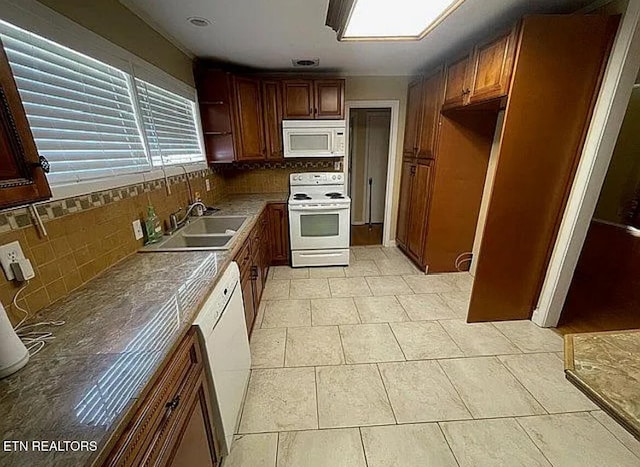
[(22, 178), (414, 207), (313, 99), (431, 105), (250, 137), (490, 74), (456, 82), (173, 425), (272, 115), (413, 119), (279, 233)]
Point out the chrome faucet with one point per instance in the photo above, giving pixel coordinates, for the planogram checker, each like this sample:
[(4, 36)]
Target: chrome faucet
[(173, 218)]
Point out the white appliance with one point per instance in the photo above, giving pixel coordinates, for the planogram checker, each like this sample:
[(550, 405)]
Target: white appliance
[(313, 138), (222, 326), (319, 219), (13, 353)]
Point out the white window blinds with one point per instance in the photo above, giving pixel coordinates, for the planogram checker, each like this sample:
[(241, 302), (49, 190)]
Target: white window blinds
[(169, 123), (80, 110)]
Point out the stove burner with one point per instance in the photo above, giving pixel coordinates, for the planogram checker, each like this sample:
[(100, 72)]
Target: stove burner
[(335, 195), (301, 196)]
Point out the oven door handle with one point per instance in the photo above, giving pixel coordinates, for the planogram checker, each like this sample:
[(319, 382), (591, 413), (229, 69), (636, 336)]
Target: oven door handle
[(317, 208)]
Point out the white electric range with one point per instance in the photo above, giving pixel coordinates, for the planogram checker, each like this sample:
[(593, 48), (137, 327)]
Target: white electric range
[(319, 219)]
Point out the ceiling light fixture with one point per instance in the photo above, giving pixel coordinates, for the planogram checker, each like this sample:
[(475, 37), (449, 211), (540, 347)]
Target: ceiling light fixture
[(200, 22), (366, 20)]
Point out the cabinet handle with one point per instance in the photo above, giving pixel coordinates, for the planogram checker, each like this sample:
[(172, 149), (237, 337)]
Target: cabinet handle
[(173, 404), (43, 163)]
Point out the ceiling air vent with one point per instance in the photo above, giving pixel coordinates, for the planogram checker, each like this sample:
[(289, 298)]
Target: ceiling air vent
[(305, 62)]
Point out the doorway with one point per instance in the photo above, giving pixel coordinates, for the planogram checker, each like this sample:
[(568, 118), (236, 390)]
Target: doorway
[(604, 294), (369, 144)]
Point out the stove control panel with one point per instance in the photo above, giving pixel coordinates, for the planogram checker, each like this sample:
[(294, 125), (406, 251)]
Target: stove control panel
[(317, 178)]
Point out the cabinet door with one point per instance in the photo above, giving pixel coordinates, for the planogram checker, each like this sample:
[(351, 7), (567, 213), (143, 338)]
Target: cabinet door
[(492, 66), (247, 298), (298, 100), (272, 106), (329, 98), (431, 105), (250, 128), (279, 233), (196, 444), (417, 224), (405, 201), (413, 119), (456, 83), (216, 114), (22, 180)]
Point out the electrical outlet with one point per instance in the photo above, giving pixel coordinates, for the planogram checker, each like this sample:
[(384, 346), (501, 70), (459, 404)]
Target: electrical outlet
[(10, 253), (137, 229), (207, 184)]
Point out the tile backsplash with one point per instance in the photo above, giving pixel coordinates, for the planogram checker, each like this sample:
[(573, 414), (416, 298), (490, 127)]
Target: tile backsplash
[(88, 234)]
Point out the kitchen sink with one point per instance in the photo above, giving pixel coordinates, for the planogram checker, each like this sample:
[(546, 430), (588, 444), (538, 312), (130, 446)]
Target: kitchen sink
[(214, 225), (204, 233)]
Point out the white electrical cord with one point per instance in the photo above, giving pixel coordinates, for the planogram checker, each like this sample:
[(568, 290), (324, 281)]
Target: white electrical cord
[(460, 260), (34, 341)]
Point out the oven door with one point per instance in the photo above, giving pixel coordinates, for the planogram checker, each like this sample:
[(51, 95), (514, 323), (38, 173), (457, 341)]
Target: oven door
[(308, 142), (317, 227)]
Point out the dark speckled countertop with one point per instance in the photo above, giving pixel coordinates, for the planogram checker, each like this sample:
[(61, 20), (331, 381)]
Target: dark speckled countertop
[(120, 328)]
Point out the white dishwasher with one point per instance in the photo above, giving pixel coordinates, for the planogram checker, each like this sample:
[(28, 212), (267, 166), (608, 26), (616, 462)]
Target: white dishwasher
[(221, 324)]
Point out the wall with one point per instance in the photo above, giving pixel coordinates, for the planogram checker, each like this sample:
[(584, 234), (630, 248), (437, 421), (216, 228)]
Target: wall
[(623, 176), (88, 234), (113, 21), (384, 88)]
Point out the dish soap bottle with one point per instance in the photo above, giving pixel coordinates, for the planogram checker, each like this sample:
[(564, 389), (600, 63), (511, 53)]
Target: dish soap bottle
[(153, 226)]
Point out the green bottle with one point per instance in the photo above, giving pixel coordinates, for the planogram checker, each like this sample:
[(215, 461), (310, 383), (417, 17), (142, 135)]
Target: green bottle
[(153, 226)]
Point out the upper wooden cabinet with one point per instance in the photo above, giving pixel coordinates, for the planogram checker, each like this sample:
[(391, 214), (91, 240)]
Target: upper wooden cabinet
[(272, 115), (413, 119), (250, 138), (215, 96), (431, 105), (313, 99), (22, 178), (484, 74)]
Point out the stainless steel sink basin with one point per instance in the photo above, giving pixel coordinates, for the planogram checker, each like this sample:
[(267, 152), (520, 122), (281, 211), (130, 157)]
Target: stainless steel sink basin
[(214, 225)]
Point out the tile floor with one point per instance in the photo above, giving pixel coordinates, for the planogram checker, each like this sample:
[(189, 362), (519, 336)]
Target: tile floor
[(373, 365)]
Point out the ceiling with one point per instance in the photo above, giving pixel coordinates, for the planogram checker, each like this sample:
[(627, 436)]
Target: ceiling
[(269, 33)]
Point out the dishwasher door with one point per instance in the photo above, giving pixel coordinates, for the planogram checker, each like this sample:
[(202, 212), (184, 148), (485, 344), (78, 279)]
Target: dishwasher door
[(229, 358)]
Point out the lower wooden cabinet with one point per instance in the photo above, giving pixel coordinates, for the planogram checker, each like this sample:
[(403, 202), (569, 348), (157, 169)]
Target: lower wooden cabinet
[(279, 233), (173, 425)]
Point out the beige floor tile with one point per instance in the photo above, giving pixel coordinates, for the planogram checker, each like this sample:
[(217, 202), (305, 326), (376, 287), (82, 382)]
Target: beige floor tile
[(388, 285), (369, 343), (394, 253), (380, 309), (406, 446), (421, 392), (361, 269), (310, 288), (352, 395), (543, 376), (333, 311), (314, 346), (488, 389), (349, 287), (478, 339), (529, 337), (287, 272), (396, 267), (458, 301), (276, 290), (321, 448), (253, 450), (492, 443), (425, 340), (462, 280), (426, 307), (370, 253), (267, 348), (279, 400), (577, 439), (260, 315), (324, 273), (621, 434), (286, 313), (435, 283)]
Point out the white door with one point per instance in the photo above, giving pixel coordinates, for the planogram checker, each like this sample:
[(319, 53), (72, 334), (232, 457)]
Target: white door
[(378, 126)]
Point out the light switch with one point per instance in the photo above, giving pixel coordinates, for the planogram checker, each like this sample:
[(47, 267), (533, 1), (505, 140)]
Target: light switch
[(137, 229)]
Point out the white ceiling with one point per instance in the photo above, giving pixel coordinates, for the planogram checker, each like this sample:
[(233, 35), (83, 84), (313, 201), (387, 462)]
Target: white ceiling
[(269, 33)]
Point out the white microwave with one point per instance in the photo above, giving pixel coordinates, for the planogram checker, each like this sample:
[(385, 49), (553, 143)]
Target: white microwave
[(313, 138)]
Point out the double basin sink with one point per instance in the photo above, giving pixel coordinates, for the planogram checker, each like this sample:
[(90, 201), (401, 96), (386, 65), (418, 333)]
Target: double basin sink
[(203, 233)]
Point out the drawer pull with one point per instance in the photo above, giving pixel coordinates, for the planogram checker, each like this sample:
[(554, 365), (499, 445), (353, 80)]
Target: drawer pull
[(173, 404)]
